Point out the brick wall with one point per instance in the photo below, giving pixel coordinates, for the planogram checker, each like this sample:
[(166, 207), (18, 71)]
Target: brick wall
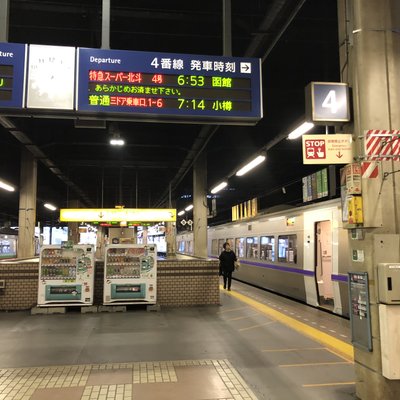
[(187, 282), (180, 283), (21, 288)]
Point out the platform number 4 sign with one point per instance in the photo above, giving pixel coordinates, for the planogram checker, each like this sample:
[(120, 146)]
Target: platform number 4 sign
[(327, 103), (330, 102)]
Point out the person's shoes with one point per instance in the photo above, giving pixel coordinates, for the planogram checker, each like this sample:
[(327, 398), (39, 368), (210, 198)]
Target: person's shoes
[(229, 289), (224, 287)]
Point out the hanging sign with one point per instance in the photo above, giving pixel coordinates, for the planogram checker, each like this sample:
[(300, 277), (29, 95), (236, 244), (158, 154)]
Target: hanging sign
[(169, 86), (12, 76), (117, 215), (327, 103), (51, 77), (327, 149)]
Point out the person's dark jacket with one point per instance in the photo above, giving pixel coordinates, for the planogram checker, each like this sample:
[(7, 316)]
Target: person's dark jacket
[(227, 261)]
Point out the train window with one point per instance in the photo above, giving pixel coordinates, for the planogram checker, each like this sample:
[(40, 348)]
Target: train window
[(287, 249), (189, 247), (267, 248), (214, 246), (181, 247), (220, 245), (240, 247), (252, 247)]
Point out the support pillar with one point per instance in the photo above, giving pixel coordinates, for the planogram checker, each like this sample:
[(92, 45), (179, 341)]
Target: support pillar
[(4, 20), (170, 239), (370, 60), (200, 206), (27, 205), (73, 227)]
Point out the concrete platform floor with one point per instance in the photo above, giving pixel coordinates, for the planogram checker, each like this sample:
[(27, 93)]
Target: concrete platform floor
[(240, 350)]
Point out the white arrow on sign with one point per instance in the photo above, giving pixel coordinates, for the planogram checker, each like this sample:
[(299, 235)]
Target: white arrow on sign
[(245, 68)]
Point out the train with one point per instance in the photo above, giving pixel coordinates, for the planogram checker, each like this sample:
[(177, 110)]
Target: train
[(299, 252)]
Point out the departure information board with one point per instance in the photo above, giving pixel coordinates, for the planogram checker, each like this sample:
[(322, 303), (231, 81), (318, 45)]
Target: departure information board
[(12, 74), (169, 86)]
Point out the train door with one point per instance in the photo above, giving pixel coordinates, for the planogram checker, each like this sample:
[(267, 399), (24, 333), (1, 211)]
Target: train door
[(323, 263)]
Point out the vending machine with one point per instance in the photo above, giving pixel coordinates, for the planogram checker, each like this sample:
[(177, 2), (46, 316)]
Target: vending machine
[(130, 274), (66, 275)]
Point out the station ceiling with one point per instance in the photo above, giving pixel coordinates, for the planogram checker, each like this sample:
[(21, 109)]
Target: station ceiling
[(298, 43)]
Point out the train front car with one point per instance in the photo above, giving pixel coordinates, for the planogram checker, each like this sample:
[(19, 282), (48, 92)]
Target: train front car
[(300, 252)]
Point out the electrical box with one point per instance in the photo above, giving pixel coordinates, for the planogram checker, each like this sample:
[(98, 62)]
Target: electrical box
[(389, 283)]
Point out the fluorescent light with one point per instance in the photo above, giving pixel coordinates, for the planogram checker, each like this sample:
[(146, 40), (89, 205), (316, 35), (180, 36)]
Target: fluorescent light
[(6, 186), (300, 130), (219, 187), (7, 123), (117, 142), (181, 212), (50, 206), (252, 164), (188, 208)]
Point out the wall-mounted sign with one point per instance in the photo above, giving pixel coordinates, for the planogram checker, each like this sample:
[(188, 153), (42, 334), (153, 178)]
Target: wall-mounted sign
[(382, 145), (327, 149), (12, 74), (327, 103), (360, 316), (117, 215), (170, 86), (51, 77), (315, 186)]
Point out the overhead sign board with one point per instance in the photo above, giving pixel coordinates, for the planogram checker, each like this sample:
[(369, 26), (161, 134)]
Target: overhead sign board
[(118, 215), (12, 74), (169, 86), (51, 77), (327, 103), (327, 149)]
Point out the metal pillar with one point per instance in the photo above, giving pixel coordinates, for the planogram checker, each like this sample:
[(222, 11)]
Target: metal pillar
[(370, 60), (227, 27), (4, 20), (27, 205), (105, 25), (200, 206)]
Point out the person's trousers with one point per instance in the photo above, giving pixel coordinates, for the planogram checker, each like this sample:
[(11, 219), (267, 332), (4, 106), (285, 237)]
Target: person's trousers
[(227, 277)]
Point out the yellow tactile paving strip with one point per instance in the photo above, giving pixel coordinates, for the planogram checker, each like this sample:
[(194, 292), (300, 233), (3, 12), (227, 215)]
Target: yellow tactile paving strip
[(21, 383)]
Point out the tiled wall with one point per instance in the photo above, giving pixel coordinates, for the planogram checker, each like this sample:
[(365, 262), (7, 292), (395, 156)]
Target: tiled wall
[(179, 283)]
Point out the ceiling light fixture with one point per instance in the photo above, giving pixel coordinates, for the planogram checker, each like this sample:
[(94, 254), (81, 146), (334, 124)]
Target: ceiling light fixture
[(117, 141), (50, 206), (6, 186), (219, 187), (181, 212), (189, 207), (252, 164), (300, 130)]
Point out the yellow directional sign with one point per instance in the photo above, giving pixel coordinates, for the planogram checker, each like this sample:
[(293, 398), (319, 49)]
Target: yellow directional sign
[(121, 214)]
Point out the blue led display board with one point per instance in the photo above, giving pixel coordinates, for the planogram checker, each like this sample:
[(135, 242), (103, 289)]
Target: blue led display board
[(12, 74), (167, 86)]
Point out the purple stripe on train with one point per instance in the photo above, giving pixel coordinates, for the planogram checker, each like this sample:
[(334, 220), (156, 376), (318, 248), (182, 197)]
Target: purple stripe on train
[(338, 278)]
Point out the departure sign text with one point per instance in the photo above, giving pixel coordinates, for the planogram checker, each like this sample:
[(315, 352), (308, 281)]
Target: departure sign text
[(175, 86)]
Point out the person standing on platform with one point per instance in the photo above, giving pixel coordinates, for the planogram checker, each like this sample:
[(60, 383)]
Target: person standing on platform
[(227, 264)]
